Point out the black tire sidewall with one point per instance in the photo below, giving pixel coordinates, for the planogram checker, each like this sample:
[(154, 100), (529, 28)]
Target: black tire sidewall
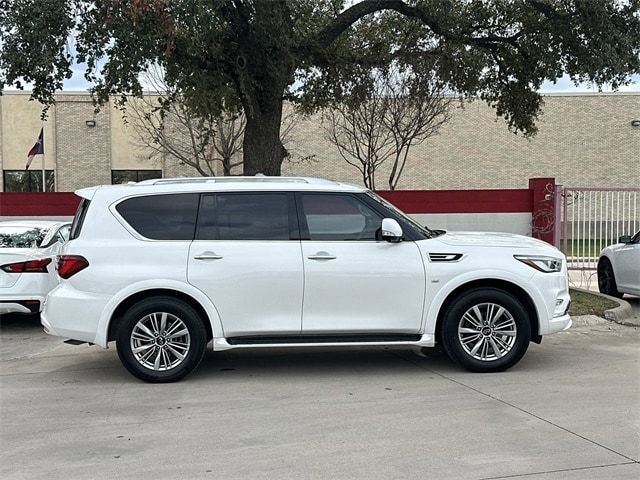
[(192, 321), (611, 288), (473, 297)]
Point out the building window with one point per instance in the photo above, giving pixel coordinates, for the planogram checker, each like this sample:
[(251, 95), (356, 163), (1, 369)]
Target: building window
[(27, 180), (124, 176)]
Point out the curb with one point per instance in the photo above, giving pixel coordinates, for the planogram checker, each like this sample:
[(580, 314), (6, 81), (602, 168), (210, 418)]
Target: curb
[(622, 314)]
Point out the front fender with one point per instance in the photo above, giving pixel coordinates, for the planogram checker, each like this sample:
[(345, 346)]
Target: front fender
[(164, 284), (438, 297)]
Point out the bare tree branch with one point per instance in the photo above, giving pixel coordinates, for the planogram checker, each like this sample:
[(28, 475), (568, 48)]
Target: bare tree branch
[(402, 111), (325, 37), (168, 129)]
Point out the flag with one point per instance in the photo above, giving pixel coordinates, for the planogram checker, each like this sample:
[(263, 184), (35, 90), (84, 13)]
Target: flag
[(37, 149)]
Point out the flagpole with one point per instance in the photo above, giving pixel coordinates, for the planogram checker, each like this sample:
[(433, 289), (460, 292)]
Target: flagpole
[(44, 183)]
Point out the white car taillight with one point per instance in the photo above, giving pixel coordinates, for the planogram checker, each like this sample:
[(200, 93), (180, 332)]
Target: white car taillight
[(30, 266)]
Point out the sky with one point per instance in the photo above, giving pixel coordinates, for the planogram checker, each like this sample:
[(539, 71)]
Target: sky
[(562, 85)]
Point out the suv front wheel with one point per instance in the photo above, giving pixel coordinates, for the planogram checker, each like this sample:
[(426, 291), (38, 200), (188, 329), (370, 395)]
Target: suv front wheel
[(161, 339), (486, 330)]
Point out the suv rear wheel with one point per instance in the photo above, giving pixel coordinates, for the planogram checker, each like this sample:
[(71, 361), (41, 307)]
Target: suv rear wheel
[(161, 339), (486, 330)]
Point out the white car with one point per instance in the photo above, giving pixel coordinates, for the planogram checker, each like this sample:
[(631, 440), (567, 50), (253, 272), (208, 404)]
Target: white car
[(619, 267), (27, 269), (164, 266)]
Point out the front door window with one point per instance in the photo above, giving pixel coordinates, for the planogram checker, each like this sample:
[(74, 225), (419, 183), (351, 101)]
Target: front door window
[(335, 217)]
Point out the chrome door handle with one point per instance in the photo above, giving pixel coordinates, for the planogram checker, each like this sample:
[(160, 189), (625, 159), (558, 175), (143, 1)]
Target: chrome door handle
[(207, 256), (321, 256)]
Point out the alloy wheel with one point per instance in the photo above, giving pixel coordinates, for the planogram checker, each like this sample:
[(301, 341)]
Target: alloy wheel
[(487, 331), (160, 341)]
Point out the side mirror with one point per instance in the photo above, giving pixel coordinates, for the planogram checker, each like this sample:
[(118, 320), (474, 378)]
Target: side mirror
[(624, 239), (391, 230)]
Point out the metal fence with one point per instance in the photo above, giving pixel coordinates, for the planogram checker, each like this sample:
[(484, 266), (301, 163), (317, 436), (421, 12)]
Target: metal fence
[(593, 218)]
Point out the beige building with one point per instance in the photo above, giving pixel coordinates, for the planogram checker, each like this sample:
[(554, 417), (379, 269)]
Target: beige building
[(584, 140)]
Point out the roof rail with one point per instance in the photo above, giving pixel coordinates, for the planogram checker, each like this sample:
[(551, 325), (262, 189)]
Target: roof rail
[(256, 179)]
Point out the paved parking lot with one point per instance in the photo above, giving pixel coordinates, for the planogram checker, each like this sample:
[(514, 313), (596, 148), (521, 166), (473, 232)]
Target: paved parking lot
[(635, 304), (569, 410)]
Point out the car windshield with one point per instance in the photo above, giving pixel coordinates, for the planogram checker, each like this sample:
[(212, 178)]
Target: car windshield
[(21, 237), (426, 231)]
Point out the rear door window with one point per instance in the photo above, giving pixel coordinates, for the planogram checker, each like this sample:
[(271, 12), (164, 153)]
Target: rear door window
[(245, 216), (162, 217)]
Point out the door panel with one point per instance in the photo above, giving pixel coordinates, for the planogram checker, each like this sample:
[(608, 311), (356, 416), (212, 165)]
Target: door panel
[(627, 267), (256, 286), (355, 283), (244, 259), (368, 287)]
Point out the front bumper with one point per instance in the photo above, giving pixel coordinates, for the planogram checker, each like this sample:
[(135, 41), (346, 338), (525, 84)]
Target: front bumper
[(559, 324), (554, 301)]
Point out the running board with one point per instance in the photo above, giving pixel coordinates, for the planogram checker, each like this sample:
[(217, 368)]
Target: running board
[(302, 339), (71, 341)]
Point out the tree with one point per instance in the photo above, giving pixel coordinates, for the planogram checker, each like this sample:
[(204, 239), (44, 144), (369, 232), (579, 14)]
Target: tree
[(167, 128), (223, 55), (401, 111), (357, 132), (176, 134)]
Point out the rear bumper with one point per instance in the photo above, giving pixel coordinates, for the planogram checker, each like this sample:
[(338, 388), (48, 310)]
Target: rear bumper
[(72, 314), (23, 304)]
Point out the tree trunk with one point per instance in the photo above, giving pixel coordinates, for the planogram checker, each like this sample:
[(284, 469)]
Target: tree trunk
[(226, 166), (263, 151)]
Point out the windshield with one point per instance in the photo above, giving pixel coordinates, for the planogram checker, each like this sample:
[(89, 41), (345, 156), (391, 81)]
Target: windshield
[(427, 232), (21, 237)]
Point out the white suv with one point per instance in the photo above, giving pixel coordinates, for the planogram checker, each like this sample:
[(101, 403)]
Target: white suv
[(164, 266)]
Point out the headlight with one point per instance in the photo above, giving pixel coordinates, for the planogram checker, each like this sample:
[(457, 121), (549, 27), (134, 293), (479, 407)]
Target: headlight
[(541, 263)]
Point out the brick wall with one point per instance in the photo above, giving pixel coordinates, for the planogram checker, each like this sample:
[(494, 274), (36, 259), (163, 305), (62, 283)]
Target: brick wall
[(83, 152), (583, 140)]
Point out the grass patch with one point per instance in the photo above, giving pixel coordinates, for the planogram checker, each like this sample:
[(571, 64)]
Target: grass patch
[(589, 304), (584, 248)]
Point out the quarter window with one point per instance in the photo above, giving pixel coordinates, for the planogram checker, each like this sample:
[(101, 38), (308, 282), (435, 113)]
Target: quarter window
[(339, 217), (162, 217), (244, 216)]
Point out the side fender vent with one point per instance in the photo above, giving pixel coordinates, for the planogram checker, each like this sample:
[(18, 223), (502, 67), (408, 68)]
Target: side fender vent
[(445, 257)]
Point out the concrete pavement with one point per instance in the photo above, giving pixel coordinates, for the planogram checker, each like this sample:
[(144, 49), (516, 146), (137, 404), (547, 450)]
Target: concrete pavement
[(635, 304), (569, 410)]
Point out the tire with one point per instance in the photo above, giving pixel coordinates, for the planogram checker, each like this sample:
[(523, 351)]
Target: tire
[(607, 279), (487, 350), (151, 326)]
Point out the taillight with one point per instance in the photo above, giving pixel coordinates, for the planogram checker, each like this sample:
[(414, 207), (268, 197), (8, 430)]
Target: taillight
[(30, 266), (69, 265)]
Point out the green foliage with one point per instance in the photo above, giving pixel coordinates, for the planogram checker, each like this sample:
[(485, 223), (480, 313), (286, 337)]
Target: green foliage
[(227, 55)]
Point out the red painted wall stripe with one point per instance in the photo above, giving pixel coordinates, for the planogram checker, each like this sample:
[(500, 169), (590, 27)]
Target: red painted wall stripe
[(410, 201), (58, 204), (460, 201)]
